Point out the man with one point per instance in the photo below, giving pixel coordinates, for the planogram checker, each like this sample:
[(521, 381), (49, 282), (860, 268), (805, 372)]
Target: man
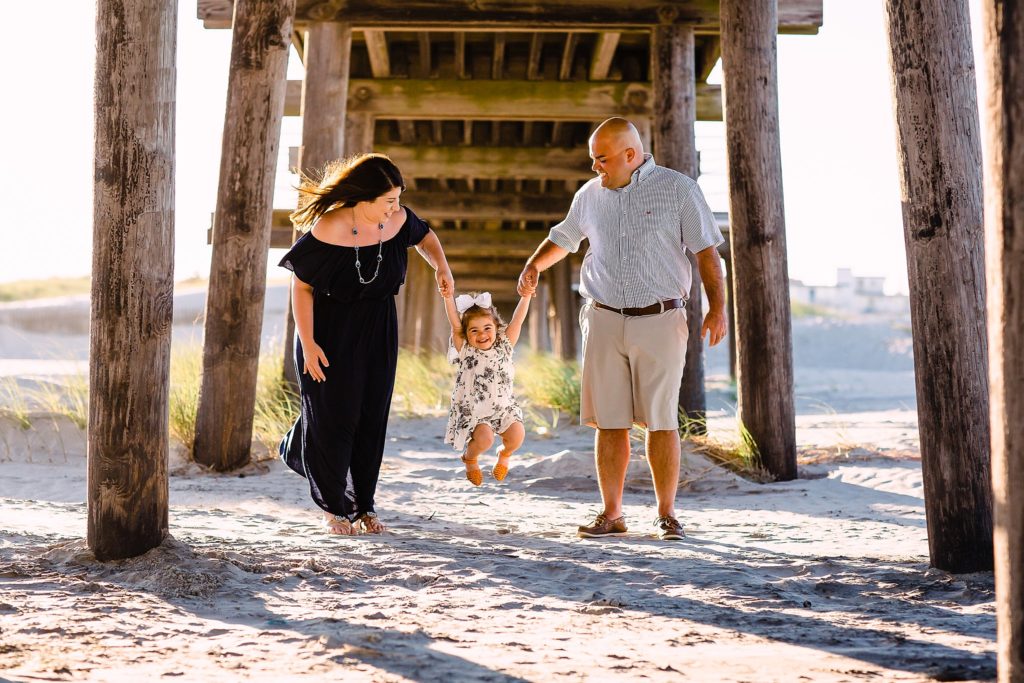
[(639, 218)]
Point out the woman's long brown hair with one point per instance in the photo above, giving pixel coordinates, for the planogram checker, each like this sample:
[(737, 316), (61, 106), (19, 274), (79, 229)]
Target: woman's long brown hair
[(345, 182)]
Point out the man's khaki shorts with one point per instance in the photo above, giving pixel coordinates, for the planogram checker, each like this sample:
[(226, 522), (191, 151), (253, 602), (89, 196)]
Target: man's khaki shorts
[(632, 368)]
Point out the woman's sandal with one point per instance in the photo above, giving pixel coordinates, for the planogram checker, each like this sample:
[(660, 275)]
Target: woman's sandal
[(338, 526), (368, 523), (473, 471), (500, 469)]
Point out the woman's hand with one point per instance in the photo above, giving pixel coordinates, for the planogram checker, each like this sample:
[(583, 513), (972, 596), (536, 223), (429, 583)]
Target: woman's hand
[(313, 357), (445, 282)]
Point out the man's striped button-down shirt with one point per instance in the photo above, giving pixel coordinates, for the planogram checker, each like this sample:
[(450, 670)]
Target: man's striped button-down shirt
[(638, 236)]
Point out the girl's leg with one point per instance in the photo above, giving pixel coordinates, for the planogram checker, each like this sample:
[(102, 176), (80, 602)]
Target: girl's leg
[(483, 437), (511, 440)]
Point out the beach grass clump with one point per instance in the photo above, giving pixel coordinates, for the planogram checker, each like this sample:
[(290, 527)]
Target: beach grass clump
[(739, 455), (423, 384), (24, 290), (185, 380), (277, 404), (13, 403), (545, 380), (69, 398), (276, 408), (799, 309)]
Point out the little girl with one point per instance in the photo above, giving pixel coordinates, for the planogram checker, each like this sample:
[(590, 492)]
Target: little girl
[(482, 402)]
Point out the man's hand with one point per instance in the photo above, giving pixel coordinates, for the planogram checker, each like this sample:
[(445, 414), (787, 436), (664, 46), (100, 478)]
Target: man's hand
[(714, 326), (528, 280)]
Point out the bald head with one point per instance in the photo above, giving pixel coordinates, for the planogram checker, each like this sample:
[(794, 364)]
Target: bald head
[(617, 151), (619, 132)]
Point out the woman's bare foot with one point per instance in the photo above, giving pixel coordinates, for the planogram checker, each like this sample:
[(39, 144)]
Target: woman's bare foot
[(338, 526), (473, 471), (500, 470), (368, 523)]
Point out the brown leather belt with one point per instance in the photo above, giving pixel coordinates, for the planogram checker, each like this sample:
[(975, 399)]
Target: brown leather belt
[(659, 307)]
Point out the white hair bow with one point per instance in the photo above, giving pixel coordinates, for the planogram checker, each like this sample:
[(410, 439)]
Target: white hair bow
[(464, 302)]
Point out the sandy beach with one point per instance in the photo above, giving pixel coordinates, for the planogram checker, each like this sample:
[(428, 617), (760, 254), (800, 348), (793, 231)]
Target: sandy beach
[(825, 578)]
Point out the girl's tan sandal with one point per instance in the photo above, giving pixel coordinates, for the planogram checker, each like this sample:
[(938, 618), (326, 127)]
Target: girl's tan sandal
[(473, 471), (500, 469)]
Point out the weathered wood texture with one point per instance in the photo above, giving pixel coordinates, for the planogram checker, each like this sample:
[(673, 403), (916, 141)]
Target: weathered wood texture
[(940, 182), (564, 338), (325, 93), (1004, 249), (328, 50), (486, 163), (675, 147), (241, 236), (512, 100), (132, 276), (795, 16), (761, 281)]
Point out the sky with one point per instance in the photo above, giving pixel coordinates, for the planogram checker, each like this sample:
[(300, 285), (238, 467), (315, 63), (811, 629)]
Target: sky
[(840, 174)]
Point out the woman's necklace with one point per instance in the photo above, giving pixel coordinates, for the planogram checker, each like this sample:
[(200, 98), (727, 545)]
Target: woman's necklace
[(380, 247)]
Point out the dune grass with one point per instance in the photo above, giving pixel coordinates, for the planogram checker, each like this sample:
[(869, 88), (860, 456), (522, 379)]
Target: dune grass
[(799, 309), (23, 290)]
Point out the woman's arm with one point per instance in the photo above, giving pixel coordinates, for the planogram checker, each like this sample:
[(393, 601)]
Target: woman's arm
[(515, 326), (456, 322), (430, 249), (302, 311)]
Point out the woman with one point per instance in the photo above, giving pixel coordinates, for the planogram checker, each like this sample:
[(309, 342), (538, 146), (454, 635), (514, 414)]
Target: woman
[(347, 269)]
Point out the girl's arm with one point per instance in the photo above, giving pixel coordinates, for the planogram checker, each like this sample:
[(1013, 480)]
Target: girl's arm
[(430, 249), (302, 310), (453, 318), (515, 326)]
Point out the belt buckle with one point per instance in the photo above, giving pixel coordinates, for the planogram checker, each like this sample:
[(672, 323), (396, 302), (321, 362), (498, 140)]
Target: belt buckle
[(661, 305)]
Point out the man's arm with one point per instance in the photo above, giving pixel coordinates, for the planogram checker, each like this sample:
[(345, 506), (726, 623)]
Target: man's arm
[(710, 266), (547, 255)]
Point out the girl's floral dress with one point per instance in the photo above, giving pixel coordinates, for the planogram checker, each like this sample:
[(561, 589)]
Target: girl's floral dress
[(483, 391)]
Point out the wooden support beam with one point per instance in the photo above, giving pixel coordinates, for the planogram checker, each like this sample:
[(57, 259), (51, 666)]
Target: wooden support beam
[(568, 53), (1004, 248), (940, 159), (325, 90), (242, 228), (604, 51), (707, 57), (358, 132), (488, 162), (761, 280), (325, 94), (512, 100), (133, 277), (533, 72), (794, 16), (423, 67), (675, 147), (565, 302), (460, 56), (377, 46), (498, 65), (537, 322), (527, 133), (492, 162), (406, 131)]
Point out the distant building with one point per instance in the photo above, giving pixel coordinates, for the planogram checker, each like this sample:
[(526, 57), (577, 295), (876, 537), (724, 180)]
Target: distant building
[(851, 293)]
